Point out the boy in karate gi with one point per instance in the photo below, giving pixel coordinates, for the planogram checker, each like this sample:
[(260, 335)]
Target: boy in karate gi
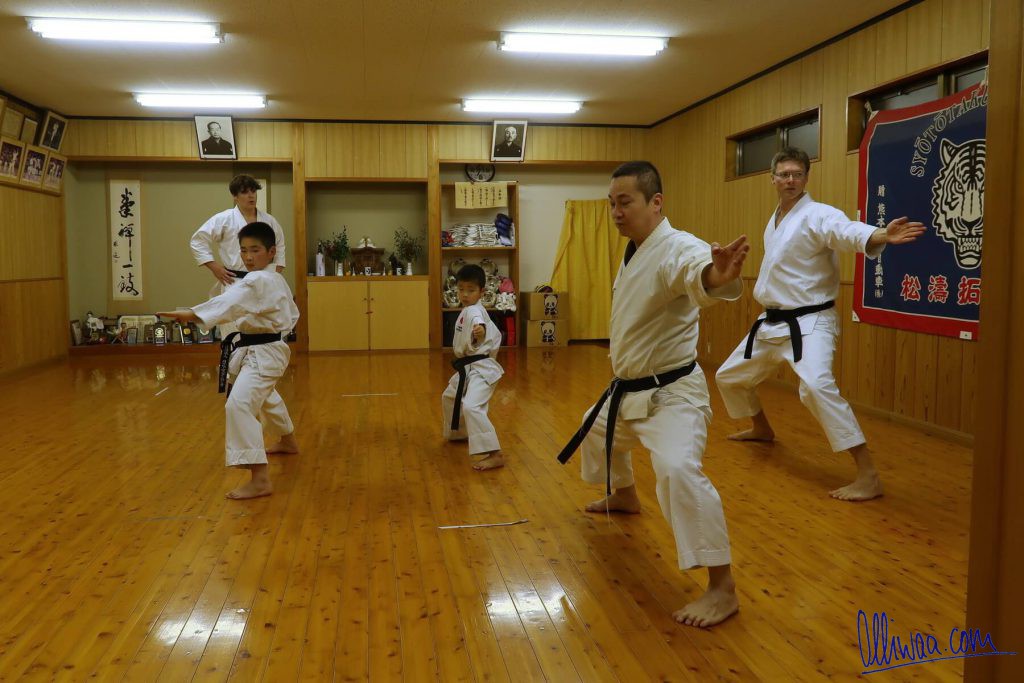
[(659, 397), (464, 402), (220, 234), (262, 305), (797, 285)]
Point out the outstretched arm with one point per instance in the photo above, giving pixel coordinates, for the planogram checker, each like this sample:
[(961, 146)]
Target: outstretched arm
[(900, 231), (726, 263)]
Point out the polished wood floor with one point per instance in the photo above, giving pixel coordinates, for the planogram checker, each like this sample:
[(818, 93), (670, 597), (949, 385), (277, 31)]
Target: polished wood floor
[(120, 558)]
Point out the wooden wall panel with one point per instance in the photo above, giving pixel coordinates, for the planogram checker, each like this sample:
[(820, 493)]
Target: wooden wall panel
[(42, 330), (31, 225), (171, 139)]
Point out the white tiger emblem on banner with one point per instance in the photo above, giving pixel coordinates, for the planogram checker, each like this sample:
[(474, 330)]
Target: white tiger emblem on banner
[(958, 199)]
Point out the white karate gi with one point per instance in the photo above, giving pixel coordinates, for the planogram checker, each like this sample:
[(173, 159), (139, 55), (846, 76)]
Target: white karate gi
[(655, 308), (800, 268), (260, 303), (220, 234), (481, 378)]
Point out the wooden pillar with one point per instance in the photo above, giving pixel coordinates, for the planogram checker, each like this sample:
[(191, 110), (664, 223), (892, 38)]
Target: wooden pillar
[(995, 583)]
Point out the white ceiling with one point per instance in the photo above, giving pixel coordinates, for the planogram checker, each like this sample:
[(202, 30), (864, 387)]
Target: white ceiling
[(414, 60)]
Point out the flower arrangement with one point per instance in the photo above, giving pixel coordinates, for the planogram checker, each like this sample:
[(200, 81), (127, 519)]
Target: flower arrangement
[(337, 247), (407, 247)]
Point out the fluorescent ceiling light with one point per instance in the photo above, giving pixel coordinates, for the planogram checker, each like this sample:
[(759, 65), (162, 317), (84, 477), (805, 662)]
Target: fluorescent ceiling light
[(128, 30), (581, 44), (522, 106), (201, 101)]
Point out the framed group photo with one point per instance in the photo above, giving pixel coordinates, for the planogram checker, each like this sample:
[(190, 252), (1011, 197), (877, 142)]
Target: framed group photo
[(12, 156), (35, 164), (53, 179), (216, 137), (54, 127), (508, 141)]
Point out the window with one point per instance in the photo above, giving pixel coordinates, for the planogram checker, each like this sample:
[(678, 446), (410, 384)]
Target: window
[(752, 151), (921, 88)]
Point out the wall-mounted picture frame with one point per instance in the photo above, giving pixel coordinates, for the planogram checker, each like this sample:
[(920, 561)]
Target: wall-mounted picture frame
[(54, 128), (10, 124), (28, 131), (53, 179), (216, 137), (34, 166), (508, 141), (12, 156)]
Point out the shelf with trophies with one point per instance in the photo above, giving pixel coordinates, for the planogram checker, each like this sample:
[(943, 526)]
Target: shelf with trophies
[(479, 225), (366, 239)]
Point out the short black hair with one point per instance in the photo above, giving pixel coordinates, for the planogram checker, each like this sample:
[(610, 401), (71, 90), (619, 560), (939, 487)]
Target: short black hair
[(243, 183), (259, 231), (472, 273), (648, 180)]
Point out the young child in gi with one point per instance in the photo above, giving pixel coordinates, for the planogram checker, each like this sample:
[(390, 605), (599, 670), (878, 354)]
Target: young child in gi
[(464, 402), (261, 304)]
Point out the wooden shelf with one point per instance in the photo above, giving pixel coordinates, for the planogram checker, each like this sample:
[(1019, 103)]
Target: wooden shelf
[(513, 183), (367, 278), (507, 249), (486, 308), (212, 349), (331, 179)]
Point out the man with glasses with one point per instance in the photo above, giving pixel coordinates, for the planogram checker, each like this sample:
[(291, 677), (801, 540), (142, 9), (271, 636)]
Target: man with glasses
[(797, 285)]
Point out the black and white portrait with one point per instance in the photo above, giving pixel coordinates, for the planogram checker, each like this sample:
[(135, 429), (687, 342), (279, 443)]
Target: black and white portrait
[(508, 142), (52, 134), (216, 137)]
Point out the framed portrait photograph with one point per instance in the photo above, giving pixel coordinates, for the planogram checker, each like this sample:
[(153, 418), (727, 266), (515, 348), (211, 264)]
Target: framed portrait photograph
[(216, 137), (10, 124), (28, 131), (508, 141), (35, 164), (54, 127), (53, 179), (12, 156)]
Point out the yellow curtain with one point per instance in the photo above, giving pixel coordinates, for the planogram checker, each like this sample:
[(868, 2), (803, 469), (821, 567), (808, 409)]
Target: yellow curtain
[(589, 253)]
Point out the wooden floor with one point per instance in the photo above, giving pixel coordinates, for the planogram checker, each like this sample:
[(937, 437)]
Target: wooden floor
[(120, 558)]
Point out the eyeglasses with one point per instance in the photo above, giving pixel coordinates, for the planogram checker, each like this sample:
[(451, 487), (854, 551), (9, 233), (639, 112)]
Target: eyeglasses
[(790, 175)]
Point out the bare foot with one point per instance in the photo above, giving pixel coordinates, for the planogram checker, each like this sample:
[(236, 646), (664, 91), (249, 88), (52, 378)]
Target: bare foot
[(492, 461), (864, 487), (287, 445), (250, 490), (753, 434), (714, 607), (617, 502)]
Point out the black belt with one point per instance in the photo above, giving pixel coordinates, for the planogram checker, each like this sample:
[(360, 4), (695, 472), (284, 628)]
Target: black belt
[(237, 273), (229, 344), (778, 315), (460, 365), (615, 391)]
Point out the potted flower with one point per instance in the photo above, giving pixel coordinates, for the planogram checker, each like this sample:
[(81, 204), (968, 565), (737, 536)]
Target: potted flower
[(407, 248), (337, 248)]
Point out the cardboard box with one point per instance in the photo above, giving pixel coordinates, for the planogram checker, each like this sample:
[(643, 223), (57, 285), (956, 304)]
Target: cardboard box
[(546, 305), (547, 332)]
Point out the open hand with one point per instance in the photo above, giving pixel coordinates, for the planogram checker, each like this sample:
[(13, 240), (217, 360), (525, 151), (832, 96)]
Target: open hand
[(902, 231), (726, 262), (222, 274), (180, 316)]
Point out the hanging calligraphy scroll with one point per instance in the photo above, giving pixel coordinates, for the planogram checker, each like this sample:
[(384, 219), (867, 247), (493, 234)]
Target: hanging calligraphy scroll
[(926, 162), (126, 239), (480, 195)]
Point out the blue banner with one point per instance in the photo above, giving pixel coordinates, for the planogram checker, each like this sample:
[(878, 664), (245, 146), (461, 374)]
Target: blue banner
[(927, 163)]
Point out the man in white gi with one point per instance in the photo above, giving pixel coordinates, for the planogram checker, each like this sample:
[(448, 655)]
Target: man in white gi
[(464, 402), (262, 305), (217, 238), (797, 285), (660, 398)]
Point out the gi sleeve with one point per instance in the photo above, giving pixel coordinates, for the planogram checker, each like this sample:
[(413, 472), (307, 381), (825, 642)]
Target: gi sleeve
[(839, 233), (241, 299), (279, 257), (681, 272), (203, 239)]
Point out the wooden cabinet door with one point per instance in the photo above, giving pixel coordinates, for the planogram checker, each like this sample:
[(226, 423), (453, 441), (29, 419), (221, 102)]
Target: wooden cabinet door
[(399, 315), (338, 316)]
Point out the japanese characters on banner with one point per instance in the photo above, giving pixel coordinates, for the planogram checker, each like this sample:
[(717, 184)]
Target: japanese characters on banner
[(480, 195), (126, 239), (927, 163)]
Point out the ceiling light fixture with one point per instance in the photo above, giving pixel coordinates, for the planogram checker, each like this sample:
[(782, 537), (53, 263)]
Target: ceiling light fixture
[(522, 106), (582, 44), (201, 100), (126, 30)]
